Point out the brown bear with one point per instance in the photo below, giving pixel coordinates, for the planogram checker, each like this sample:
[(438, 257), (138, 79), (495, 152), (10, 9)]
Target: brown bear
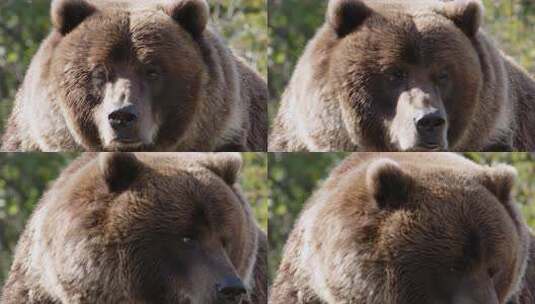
[(403, 75), (123, 75), (143, 228), (409, 228)]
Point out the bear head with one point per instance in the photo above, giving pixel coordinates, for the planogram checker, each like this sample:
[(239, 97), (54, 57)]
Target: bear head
[(406, 73), (395, 231), (151, 228), (129, 73)]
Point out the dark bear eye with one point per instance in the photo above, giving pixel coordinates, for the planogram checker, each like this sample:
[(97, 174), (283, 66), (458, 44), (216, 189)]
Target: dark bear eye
[(443, 77), (153, 73), (397, 74), (226, 244), (492, 272), (100, 75)]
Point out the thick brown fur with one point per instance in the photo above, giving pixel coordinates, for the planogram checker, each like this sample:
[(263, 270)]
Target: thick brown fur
[(409, 228), (344, 93), (206, 98), (169, 233)]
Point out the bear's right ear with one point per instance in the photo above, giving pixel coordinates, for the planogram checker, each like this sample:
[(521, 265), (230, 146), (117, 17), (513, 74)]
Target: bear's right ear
[(119, 169), (346, 15), (500, 180), (466, 14), (388, 185), (68, 14), (191, 14), (226, 165)]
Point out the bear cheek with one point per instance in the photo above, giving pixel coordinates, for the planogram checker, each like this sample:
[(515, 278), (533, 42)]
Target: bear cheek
[(461, 99), (78, 103), (174, 125)]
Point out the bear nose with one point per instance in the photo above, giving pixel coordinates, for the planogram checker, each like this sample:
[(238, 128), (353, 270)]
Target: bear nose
[(431, 123), (231, 289), (123, 117)]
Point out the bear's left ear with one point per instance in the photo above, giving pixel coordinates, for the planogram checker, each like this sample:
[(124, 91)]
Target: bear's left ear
[(388, 185), (225, 165), (68, 14), (191, 14), (466, 14), (346, 15), (500, 180), (119, 169)]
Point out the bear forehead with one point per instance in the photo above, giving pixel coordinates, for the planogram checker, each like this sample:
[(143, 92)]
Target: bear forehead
[(143, 33), (128, 5), (416, 17), (412, 8)]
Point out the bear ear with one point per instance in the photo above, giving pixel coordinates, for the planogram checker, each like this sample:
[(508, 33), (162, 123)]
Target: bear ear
[(346, 15), (388, 184), (119, 169), (500, 180), (466, 14), (68, 14), (191, 14), (225, 165)]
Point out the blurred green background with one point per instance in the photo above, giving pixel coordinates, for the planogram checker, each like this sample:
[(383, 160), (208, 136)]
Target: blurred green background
[(293, 177), (293, 22), (24, 177), (24, 24)]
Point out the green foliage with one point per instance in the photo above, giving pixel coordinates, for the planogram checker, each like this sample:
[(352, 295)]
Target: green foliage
[(293, 22), (293, 177), (25, 23), (25, 176), (254, 184), (244, 25)]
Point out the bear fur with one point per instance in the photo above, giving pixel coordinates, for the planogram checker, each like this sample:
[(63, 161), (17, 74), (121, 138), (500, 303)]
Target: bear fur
[(409, 228), (375, 67), (186, 88), (143, 228)]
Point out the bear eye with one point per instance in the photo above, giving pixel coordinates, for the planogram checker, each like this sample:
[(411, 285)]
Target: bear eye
[(226, 244), (187, 240), (443, 77), (100, 75), (397, 74), (492, 271), (153, 73)]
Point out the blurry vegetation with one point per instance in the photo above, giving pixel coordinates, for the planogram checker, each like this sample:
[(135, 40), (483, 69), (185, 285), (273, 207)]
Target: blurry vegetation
[(253, 182), (294, 176), (25, 176), (25, 23), (293, 22)]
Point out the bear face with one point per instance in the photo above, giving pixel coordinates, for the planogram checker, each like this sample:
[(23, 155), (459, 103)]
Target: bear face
[(394, 228), (145, 228), (420, 85), (128, 77), (404, 76), (123, 75)]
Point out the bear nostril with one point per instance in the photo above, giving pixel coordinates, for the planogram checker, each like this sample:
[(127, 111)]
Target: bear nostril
[(230, 288), (123, 117), (431, 122)]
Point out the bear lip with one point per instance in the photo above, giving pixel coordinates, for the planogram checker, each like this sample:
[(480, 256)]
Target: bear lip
[(124, 144), (428, 148)]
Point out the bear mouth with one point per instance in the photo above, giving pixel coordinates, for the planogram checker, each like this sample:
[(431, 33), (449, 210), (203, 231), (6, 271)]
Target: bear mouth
[(126, 145), (428, 148)]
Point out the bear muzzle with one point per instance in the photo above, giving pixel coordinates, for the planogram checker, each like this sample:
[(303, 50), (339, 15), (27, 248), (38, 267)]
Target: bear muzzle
[(230, 290)]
